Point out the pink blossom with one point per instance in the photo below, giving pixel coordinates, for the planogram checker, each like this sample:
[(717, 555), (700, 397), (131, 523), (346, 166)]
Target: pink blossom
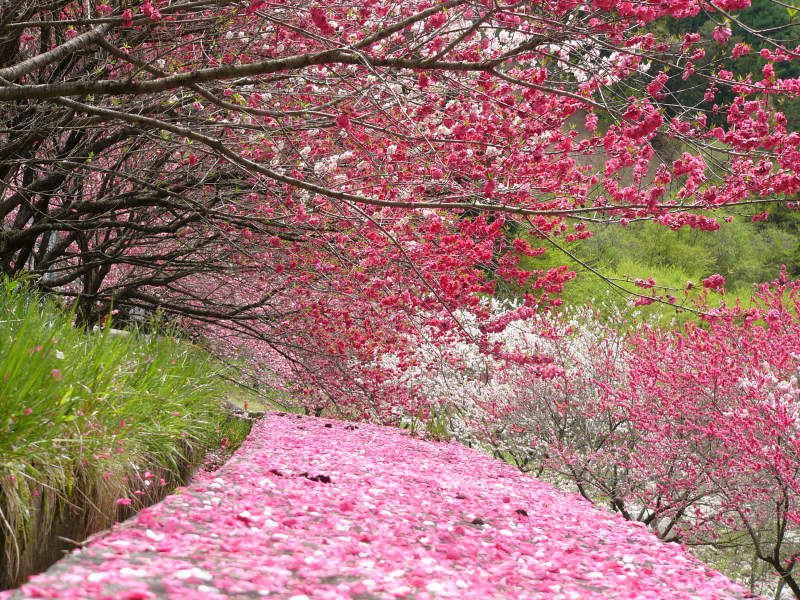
[(721, 34), (320, 20), (423, 81), (489, 187), (740, 50), (648, 283), (343, 121), (714, 282)]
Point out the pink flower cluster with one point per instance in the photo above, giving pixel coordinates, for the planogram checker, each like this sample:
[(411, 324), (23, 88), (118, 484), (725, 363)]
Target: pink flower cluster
[(714, 282)]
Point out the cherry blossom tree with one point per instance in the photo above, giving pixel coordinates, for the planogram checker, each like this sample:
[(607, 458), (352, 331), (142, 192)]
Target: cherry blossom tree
[(717, 409), (693, 433), (172, 155)]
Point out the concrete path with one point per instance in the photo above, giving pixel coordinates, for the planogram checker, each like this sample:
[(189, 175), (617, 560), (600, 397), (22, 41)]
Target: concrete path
[(318, 509)]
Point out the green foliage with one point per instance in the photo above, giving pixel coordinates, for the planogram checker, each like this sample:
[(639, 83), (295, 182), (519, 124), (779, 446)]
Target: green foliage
[(738, 251), (741, 251), (85, 416), (432, 425), (263, 400), (437, 428)]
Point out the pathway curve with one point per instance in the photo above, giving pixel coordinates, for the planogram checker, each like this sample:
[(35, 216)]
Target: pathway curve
[(318, 509)]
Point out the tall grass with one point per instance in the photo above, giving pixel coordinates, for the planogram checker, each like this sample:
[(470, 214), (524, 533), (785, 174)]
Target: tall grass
[(92, 426)]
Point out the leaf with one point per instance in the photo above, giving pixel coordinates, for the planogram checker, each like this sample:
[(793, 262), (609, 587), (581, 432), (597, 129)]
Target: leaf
[(65, 398)]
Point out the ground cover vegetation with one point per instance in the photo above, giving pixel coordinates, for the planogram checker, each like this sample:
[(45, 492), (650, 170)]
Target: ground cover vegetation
[(93, 426), (347, 194)]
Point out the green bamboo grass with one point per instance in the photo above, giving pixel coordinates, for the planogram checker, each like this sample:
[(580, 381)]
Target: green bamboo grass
[(93, 426)]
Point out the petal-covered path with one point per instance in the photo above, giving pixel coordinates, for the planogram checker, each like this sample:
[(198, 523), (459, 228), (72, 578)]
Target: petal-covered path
[(318, 509)]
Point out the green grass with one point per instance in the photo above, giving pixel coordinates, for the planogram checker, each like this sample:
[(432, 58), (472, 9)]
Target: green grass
[(260, 400), (87, 419)]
